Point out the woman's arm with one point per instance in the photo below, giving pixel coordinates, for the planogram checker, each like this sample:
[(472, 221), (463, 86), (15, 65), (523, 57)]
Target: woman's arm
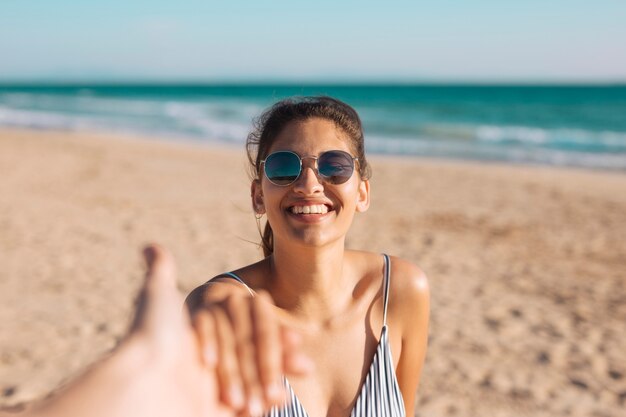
[(411, 298)]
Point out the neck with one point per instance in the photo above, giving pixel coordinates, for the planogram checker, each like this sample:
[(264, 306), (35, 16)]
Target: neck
[(309, 282)]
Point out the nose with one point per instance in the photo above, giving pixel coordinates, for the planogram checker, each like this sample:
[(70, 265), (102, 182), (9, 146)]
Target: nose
[(308, 182)]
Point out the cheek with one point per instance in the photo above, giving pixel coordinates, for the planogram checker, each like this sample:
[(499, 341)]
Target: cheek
[(271, 198), (350, 192)]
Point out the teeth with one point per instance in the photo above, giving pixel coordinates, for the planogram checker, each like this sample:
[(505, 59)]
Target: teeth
[(314, 209)]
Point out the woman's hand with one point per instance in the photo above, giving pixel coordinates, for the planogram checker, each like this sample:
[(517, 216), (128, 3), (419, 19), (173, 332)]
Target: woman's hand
[(253, 348)]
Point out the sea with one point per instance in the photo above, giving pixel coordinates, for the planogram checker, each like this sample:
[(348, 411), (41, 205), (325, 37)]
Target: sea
[(557, 125)]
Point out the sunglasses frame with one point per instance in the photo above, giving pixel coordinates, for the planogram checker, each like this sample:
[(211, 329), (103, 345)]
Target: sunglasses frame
[(317, 171)]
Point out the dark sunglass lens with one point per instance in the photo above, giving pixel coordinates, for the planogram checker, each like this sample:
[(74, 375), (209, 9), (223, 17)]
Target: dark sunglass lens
[(282, 168), (336, 166)]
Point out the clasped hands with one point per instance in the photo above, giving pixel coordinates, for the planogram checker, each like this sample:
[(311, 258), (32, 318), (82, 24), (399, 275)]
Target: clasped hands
[(227, 360), (250, 351)]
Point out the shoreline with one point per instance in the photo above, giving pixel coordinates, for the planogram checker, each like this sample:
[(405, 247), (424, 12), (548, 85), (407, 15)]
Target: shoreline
[(189, 141), (525, 262)]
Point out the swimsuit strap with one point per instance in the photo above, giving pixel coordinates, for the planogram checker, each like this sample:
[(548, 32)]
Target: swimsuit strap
[(386, 279), (236, 278), (386, 275)]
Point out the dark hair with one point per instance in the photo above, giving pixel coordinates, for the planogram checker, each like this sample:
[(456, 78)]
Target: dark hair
[(272, 121)]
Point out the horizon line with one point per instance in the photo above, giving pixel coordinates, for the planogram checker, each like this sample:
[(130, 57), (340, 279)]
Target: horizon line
[(42, 82)]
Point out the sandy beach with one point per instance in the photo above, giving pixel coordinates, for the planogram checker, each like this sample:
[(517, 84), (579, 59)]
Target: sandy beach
[(527, 265)]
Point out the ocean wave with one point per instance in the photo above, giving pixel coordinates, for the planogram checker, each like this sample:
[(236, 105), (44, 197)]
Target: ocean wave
[(82, 104), (562, 138), (177, 120), (214, 119), (465, 150), (524, 134), (38, 119), (190, 117)]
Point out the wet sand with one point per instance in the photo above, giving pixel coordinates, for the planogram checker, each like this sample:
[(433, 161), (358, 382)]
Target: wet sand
[(527, 265)]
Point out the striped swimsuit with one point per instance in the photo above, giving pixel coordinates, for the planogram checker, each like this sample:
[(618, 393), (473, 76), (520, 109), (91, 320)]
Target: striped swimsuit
[(380, 394)]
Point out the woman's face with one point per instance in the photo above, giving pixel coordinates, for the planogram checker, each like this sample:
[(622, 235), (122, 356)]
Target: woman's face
[(284, 204)]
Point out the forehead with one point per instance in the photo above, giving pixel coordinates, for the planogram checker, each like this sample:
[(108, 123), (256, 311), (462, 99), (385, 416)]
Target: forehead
[(310, 137)]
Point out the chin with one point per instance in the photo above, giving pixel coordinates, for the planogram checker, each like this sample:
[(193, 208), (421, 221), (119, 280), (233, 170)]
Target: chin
[(314, 239)]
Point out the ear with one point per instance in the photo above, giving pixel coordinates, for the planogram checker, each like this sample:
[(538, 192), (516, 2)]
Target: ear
[(256, 192), (363, 197)]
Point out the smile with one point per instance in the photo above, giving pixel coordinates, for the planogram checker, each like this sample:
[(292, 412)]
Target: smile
[(310, 209)]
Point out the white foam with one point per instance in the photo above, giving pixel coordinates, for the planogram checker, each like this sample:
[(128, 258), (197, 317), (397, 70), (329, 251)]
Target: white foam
[(202, 118), (35, 118), (512, 133), (429, 147)]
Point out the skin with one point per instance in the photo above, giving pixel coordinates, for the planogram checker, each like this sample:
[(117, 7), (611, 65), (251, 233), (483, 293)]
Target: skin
[(159, 369), (331, 295)]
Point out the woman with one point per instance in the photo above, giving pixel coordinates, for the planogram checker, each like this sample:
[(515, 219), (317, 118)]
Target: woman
[(352, 309)]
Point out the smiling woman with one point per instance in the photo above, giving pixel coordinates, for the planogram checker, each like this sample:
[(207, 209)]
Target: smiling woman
[(352, 309), (286, 115)]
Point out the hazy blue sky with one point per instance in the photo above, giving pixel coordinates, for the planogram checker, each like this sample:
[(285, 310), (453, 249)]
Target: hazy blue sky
[(321, 40)]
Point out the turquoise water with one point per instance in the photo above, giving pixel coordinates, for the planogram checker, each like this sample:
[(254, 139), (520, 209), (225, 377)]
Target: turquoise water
[(581, 126)]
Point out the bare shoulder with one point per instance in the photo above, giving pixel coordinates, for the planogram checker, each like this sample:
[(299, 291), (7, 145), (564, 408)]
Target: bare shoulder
[(221, 287), (407, 280), (409, 293)]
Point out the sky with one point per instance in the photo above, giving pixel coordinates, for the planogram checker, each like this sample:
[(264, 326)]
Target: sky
[(318, 41)]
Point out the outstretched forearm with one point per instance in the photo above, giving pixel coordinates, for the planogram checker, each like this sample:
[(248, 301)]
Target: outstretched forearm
[(156, 371), (104, 390)]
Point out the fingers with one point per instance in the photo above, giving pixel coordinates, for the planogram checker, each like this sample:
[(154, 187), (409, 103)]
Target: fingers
[(294, 361), (228, 374), (269, 351), (240, 311), (158, 299), (245, 335), (160, 266), (205, 331)]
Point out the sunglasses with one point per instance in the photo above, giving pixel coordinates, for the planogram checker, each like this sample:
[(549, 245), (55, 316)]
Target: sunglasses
[(284, 167)]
